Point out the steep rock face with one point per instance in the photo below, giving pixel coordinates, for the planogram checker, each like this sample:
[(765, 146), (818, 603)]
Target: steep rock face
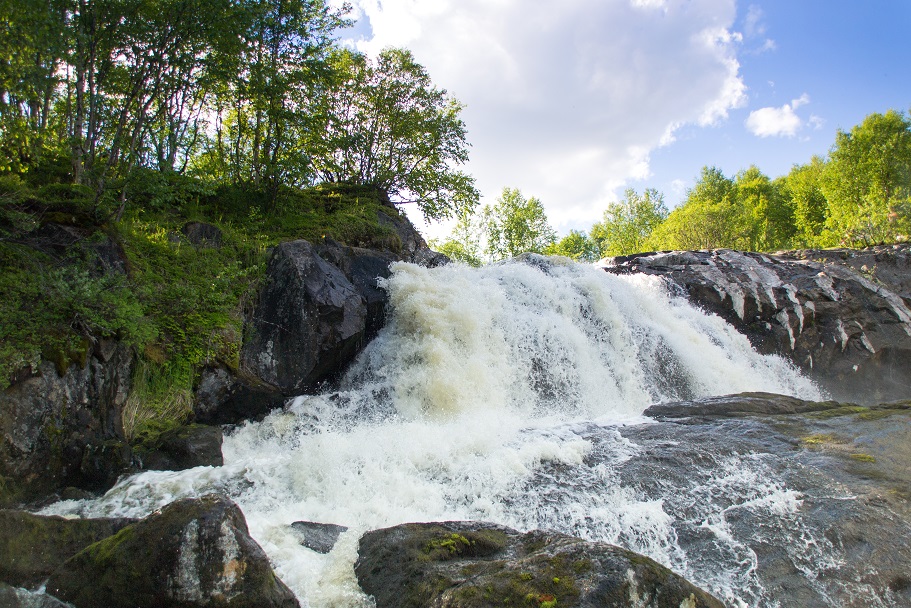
[(309, 321), (848, 329), (469, 564), (60, 430), (194, 552)]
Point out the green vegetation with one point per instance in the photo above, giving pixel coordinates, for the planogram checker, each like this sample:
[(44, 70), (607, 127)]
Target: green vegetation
[(180, 305), (125, 123), (859, 196)]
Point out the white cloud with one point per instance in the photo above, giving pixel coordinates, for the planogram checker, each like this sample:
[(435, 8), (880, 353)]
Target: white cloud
[(565, 102), (777, 122)]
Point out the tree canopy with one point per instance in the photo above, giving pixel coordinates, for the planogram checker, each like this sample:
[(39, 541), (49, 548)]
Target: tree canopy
[(255, 92)]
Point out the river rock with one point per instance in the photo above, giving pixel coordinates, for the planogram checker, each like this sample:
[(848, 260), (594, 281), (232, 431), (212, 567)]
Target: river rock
[(317, 536), (34, 546), (183, 447), (848, 329), (308, 324), (64, 427), (194, 552), (222, 397), (470, 564)]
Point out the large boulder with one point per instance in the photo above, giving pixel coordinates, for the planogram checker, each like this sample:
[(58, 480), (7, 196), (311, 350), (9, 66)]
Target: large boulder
[(63, 426), (223, 397), (469, 564), (308, 323), (34, 546), (843, 317), (194, 552)]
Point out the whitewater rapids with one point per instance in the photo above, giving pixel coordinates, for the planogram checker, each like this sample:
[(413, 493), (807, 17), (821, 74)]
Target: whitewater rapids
[(478, 401)]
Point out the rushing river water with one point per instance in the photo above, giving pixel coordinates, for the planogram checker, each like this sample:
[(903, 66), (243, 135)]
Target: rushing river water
[(498, 394)]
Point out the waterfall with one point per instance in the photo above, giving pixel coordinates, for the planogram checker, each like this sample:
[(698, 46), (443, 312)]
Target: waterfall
[(493, 394)]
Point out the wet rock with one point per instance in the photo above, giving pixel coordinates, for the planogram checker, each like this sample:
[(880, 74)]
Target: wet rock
[(473, 564), (64, 427), (795, 504), (318, 537), (12, 597), (308, 324), (33, 546), (225, 398), (365, 268), (744, 404), (183, 447), (848, 329), (194, 552)]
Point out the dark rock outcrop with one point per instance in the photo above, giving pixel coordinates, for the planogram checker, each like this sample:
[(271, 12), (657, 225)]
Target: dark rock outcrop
[(226, 398), (194, 552), (183, 447), (316, 536), (413, 247), (308, 323), (64, 428), (34, 546), (364, 268), (471, 564), (848, 328)]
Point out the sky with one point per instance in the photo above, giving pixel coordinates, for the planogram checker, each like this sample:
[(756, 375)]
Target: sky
[(574, 101)]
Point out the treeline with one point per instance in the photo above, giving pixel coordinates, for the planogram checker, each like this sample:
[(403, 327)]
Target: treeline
[(859, 195), (105, 93)]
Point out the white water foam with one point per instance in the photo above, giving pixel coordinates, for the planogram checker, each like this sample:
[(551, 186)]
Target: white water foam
[(469, 405)]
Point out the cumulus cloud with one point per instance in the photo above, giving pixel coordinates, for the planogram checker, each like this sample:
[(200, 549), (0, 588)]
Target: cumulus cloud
[(778, 122), (566, 101)]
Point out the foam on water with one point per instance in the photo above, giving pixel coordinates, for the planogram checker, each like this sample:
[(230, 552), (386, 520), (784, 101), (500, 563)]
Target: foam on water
[(476, 402)]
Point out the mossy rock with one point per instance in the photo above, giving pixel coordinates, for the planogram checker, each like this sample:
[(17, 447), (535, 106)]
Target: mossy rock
[(34, 546), (194, 552), (474, 565)]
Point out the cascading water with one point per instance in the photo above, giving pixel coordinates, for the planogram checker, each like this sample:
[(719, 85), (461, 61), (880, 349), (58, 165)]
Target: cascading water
[(497, 394)]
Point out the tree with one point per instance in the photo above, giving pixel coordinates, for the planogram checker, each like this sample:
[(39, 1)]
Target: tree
[(765, 217), (628, 224), (577, 246), (867, 181), (803, 187), (516, 225), (388, 126), (707, 219), (464, 242)]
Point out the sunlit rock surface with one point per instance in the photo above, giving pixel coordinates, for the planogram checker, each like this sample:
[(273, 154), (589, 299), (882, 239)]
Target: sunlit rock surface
[(471, 564), (842, 316)]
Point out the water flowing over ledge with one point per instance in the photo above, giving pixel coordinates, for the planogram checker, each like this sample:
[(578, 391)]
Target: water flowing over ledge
[(502, 394)]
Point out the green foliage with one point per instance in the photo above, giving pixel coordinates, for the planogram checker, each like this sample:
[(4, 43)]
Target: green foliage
[(577, 246), (767, 218), (388, 126), (463, 243), (867, 181), (707, 219), (515, 225), (803, 187), (628, 224)]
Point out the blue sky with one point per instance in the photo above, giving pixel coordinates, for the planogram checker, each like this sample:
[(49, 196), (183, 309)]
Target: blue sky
[(574, 101)]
